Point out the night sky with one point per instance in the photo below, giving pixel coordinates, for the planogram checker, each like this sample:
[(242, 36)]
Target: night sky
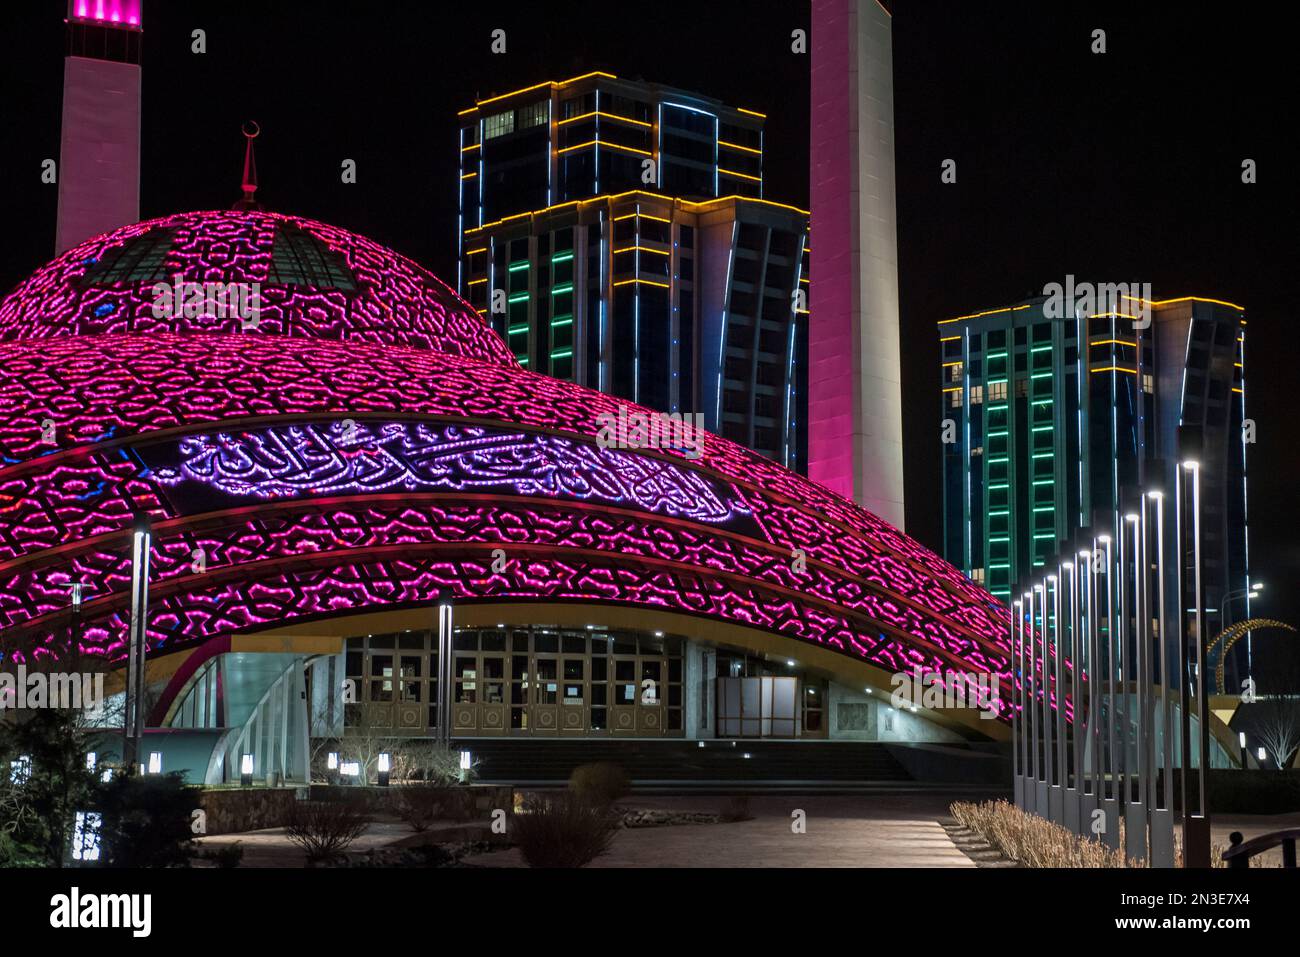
[(1117, 167)]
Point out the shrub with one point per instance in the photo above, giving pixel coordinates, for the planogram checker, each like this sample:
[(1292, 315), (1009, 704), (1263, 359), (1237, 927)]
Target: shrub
[(563, 831), (736, 808), (600, 783), (325, 829), (146, 821), (426, 855), (1037, 842), (232, 855), (423, 759)]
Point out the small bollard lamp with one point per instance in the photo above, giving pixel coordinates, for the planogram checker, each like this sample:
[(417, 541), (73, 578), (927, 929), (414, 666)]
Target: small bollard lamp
[(246, 771), (385, 766)]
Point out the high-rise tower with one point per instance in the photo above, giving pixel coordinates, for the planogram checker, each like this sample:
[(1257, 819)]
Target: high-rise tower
[(855, 415), (616, 233), (99, 154)]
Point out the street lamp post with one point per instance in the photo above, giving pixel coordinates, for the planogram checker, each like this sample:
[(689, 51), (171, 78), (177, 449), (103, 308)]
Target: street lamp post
[(1131, 687), (1017, 736), (1196, 827), (1249, 592), (1162, 813), (1044, 751), (133, 724), (444, 669)]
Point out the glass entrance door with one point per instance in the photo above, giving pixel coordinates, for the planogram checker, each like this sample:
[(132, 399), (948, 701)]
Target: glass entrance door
[(546, 694), (573, 695)]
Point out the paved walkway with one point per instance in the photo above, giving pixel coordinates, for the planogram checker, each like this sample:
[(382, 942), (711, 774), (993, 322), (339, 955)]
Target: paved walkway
[(890, 830), (841, 831)]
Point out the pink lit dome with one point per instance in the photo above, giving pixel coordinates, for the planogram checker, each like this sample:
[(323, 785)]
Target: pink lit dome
[(313, 281), (370, 445)]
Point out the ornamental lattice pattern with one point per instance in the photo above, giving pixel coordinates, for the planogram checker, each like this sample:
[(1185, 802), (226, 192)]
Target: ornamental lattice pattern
[(371, 448)]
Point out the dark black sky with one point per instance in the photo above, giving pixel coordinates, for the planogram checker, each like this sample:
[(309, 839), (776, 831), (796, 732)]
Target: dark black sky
[(1123, 166)]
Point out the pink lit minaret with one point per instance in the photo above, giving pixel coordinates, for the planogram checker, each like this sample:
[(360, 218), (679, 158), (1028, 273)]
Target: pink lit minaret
[(855, 415), (99, 155)]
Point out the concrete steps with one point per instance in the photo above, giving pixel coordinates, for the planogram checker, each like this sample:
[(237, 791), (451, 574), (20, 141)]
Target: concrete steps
[(659, 762)]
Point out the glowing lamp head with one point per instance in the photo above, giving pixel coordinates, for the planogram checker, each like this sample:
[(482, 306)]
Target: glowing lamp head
[(385, 762), (246, 764), (332, 761), (155, 762)]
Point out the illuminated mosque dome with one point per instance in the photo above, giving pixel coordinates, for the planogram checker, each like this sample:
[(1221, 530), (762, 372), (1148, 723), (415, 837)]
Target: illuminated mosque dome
[(369, 444), (314, 282)]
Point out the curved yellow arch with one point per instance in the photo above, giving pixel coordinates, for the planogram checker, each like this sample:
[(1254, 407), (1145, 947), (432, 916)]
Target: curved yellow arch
[(1229, 637)]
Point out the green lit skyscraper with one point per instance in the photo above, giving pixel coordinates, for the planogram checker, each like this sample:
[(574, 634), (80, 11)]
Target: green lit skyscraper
[(1043, 438)]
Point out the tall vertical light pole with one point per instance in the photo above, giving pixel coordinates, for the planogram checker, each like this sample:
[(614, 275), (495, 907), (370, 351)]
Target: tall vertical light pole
[(1045, 709), (1085, 698), (1027, 711), (1130, 806), (1074, 781), (444, 669), (1162, 814), (1136, 821), (1122, 639), (1058, 696), (137, 646), (1017, 628), (1248, 593), (1196, 827), (1103, 700)]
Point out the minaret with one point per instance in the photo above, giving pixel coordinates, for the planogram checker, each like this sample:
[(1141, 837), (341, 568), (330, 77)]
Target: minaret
[(855, 413), (99, 154)]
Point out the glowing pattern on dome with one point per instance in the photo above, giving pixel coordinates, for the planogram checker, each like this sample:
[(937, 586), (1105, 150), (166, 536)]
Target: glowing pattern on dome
[(237, 444), (395, 303), (349, 458)]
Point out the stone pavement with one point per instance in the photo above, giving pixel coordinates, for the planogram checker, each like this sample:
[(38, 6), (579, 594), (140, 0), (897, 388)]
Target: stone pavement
[(842, 831), (890, 830)]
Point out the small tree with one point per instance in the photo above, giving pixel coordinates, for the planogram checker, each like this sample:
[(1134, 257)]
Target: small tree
[(39, 806), (565, 830), (145, 820), (325, 829), (1275, 717)]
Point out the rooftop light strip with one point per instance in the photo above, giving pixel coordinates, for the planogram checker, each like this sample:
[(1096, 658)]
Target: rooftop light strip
[(1166, 302), (613, 146), (554, 84), (608, 116), (989, 312), (659, 197)]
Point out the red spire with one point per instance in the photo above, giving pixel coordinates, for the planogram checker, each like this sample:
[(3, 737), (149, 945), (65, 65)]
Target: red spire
[(251, 131)]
